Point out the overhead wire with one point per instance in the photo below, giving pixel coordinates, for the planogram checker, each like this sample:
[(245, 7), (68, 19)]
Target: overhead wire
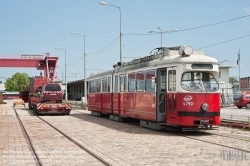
[(223, 42), (104, 48), (76, 62), (187, 29), (130, 50), (95, 52), (221, 22), (214, 23)]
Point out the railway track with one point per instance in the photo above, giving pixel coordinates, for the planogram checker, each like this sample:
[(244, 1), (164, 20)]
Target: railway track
[(214, 143), (236, 123), (32, 148), (193, 135), (230, 135)]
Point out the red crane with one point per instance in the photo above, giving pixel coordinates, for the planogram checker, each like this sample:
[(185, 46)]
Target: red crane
[(42, 95), (48, 64)]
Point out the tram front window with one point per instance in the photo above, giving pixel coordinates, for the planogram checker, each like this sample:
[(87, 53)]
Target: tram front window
[(199, 81)]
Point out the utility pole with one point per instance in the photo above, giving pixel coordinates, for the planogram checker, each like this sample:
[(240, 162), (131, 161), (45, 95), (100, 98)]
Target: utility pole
[(62, 75)]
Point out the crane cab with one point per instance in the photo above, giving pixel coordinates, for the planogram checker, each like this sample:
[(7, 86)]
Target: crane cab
[(51, 92)]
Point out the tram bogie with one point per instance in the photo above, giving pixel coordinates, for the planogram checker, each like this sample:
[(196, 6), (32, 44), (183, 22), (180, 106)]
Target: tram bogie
[(173, 88)]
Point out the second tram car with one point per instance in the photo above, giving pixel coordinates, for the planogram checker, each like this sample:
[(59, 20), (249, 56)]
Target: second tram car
[(175, 87)]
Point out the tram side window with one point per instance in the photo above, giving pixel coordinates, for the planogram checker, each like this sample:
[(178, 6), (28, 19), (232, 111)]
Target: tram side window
[(125, 84), (163, 81), (90, 88), (150, 85), (172, 80), (104, 85), (98, 85), (121, 83), (109, 84), (131, 82), (140, 81), (116, 84), (93, 86)]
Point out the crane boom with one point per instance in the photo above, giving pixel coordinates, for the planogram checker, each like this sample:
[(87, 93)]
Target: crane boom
[(48, 64)]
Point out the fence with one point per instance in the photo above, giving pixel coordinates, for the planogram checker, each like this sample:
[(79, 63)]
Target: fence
[(226, 97)]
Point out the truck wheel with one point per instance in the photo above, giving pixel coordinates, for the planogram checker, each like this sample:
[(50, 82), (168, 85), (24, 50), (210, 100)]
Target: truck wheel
[(35, 109), (248, 106), (30, 106)]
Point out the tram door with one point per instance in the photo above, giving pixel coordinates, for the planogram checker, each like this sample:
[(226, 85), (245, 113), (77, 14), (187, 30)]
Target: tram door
[(171, 96), (161, 91), (121, 81)]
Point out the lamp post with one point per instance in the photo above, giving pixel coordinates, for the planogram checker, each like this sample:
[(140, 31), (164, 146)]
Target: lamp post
[(104, 3), (84, 70), (224, 61), (161, 32), (66, 94)]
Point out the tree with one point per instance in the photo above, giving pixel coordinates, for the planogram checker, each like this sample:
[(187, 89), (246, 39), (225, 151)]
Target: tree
[(233, 80), (12, 84)]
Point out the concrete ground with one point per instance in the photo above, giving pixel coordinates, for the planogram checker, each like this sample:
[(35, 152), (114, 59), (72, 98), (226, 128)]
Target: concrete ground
[(117, 143)]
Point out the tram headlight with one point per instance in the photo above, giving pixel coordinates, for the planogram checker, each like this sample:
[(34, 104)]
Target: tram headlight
[(205, 106)]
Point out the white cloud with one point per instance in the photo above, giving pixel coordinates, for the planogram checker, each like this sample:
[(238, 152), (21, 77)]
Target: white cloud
[(246, 10)]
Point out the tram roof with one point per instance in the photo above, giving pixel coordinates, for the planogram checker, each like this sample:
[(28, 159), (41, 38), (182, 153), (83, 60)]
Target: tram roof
[(104, 73), (162, 56)]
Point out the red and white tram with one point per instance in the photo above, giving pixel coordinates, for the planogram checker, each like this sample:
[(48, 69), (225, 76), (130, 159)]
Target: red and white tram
[(174, 87)]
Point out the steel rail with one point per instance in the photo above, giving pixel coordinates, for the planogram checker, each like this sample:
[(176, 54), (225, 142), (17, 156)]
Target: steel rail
[(75, 142), (31, 147), (182, 134), (214, 143), (79, 145), (227, 135)]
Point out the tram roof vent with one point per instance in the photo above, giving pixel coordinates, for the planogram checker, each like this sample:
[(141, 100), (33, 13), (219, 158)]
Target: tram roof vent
[(185, 50)]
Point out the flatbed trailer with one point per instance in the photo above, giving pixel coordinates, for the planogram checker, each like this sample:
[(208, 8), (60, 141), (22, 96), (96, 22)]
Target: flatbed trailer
[(52, 108)]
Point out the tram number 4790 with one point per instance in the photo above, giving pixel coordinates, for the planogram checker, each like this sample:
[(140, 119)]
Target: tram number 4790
[(188, 103)]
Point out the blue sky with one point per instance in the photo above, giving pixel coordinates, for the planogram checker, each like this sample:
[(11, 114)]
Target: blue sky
[(36, 27)]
